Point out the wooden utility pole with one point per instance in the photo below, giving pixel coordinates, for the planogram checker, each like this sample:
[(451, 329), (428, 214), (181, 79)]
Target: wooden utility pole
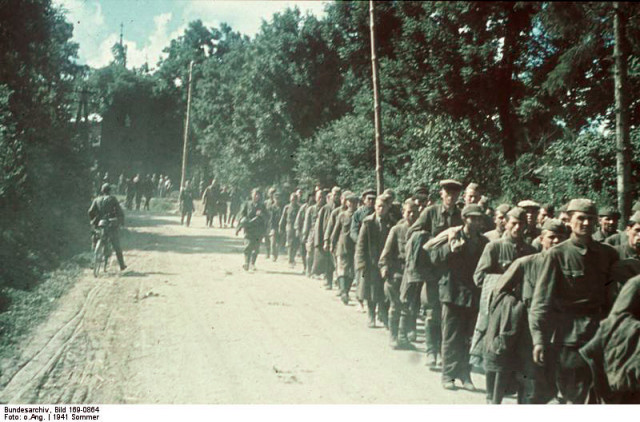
[(623, 144), (186, 132), (376, 101)]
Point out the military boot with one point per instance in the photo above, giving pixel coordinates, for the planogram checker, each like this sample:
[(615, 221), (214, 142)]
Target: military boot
[(371, 310), (403, 340), (393, 334)]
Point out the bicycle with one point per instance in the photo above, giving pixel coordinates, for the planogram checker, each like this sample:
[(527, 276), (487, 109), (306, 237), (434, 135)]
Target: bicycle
[(102, 251)]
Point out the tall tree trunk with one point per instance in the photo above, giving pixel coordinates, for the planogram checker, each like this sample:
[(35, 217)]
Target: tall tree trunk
[(508, 120), (376, 102), (623, 144)]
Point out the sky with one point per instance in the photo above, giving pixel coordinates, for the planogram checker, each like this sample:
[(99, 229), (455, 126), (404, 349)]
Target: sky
[(150, 25)]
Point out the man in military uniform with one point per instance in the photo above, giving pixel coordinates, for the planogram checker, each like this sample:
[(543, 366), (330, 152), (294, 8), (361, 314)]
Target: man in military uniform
[(275, 214), (368, 199), (310, 218), (531, 230), (496, 258), (573, 294), (287, 226), (343, 247), (371, 239), (323, 262), (563, 216), (459, 253), (629, 252), (329, 241), (608, 218), (392, 262), (500, 219), (253, 217), (210, 202), (546, 211), (520, 280), (106, 207), (395, 208), (432, 221), (186, 203), (300, 234), (267, 206)]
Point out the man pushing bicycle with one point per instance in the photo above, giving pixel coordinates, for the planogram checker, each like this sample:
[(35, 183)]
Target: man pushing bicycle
[(105, 213)]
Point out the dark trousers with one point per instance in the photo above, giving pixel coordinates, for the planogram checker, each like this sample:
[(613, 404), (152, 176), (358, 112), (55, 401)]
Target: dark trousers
[(188, 216), (303, 256), (392, 293), (251, 249), (293, 245), (572, 373), (457, 329), (274, 239)]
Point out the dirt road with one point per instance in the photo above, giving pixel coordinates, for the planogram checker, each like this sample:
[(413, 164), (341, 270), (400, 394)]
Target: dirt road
[(184, 324)]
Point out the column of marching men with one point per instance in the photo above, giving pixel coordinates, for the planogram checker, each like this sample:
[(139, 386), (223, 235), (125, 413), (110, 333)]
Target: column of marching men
[(547, 308)]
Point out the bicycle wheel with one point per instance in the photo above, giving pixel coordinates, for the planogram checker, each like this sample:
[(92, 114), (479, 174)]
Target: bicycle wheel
[(98, 257)]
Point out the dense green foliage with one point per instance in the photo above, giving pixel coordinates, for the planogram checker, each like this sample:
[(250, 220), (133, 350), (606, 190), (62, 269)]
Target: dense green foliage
[(43, 189), (517, 96)]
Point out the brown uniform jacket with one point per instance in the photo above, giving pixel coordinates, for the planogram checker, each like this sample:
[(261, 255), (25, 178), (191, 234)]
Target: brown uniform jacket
[(344, 246), (392, 259), (573, 293)]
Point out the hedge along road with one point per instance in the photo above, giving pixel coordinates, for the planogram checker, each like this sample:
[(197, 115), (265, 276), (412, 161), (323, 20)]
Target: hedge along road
[(184, 324)]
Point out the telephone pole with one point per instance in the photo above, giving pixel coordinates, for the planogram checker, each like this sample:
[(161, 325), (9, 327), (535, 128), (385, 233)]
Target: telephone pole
[(376, 102), (186, 131)]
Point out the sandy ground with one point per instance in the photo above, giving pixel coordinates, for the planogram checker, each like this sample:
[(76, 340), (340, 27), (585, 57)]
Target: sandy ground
[(184, 324)]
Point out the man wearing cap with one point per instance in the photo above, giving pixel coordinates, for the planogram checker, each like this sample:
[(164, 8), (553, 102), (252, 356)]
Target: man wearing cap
[(369, 246), (268, 203), (253, 219), (531, 231), (459, 253), (286, 226), (516, 365), (432, 221), (496, 258), (563, 216), (107, 207), (333, 218), (308, 232), (608, 218), (573, 294), (395, 208), (299, 224), (392, 263), (368, 200), (500, 220), (629, 252), (343, 247), (275, 214), (322, 262)]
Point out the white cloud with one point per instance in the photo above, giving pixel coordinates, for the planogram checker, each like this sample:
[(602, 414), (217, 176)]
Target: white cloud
[(89, 28), (96, 39)]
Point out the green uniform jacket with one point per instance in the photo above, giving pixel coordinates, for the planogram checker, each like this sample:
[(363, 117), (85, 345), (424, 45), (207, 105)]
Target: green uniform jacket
[(356, 221), (392, 260), (371, 240), (254, 225), (436, 219), (498, 256), (574, 292), (459, 257)]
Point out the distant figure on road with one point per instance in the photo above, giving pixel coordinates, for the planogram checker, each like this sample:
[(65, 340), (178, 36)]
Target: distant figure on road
[(253, 220), (186, 203), (210, 202)]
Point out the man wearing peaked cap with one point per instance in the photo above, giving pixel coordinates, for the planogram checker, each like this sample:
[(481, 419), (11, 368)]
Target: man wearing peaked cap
[(531, 231), (573, 294), (500, 220), (459, 254), (608, 218), (515, 366), (432, 221), (496, 258)]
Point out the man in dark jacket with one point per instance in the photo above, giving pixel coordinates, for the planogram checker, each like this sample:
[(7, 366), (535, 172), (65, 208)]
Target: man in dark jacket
[(459, 295), (106, 207), (371, 239), (574, 293), (392, 262), (253, 219), (432, 221), (287, 226)]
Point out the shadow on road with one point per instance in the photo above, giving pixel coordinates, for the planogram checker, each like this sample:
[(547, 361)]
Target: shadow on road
[(183, 244)]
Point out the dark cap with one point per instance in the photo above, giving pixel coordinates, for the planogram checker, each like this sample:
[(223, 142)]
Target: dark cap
[(421, 191), (553, 225), (608, 212), (471, 210), (528, 203), (369, 192), (586, 206), (503, 208), (451, 184), (518, 213)]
